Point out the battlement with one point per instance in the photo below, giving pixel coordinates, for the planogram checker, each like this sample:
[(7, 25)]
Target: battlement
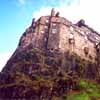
[(56, 33)]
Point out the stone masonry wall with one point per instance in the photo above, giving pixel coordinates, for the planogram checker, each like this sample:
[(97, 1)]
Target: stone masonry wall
[(54, 32)]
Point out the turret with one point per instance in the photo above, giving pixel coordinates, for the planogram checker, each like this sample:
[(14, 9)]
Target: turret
[(33, 22), (57, 14), (81, 23)]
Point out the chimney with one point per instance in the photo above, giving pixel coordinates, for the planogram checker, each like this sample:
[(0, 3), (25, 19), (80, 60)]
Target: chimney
[(52, 12), (57, 14)]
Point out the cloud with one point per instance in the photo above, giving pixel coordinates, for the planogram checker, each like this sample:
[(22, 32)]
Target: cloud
[(42, 12), (75, 10), (22, 2), (4, 57), (89, 10), (67, 8)]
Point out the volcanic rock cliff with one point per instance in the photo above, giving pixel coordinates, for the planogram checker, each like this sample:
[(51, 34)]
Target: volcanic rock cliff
[(49, 64)]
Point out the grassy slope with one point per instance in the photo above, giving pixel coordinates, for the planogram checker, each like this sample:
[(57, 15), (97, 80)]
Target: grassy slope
[(88, 90)]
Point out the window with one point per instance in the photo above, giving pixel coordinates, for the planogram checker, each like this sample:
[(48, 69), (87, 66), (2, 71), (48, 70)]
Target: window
[(82, 32), (47, 21), (86, 50), (53, 24), (71, 38), (42, 31), (54, 31), (97, 38), (46, 27), (71, 28), (45, 39), (85, 38), (98, 47)]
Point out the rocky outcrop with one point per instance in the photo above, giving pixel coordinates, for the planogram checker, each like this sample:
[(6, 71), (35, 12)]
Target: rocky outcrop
[(35, 74)]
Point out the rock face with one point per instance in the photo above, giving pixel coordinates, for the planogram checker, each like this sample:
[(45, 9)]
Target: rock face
[(49, 63), (33, 74)]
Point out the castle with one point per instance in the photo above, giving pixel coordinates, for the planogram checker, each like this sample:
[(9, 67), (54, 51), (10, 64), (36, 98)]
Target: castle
[(56, 33)]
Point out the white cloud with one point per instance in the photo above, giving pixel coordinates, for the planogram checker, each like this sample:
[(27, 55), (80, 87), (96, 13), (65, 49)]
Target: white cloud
[(77, 9), (42, 12), (22, 2), (4, 57)]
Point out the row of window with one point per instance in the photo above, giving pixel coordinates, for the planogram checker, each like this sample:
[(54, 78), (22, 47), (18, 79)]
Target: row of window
[(72, 29)]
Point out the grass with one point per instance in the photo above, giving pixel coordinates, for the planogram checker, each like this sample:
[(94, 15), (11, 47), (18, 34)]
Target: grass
[(87, 91), (78, 96)]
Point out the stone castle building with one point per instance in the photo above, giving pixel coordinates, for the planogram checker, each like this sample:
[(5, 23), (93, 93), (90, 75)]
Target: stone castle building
[(56, 33)]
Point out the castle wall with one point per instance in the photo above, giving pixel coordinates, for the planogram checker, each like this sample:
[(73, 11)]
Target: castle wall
[(57, 33), (64, 35), (80, 43), (42, 33), (53, 40), (56, 40), (57, 30)]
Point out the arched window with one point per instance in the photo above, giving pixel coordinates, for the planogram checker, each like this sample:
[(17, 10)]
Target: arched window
[(71, 38), (54, 31)]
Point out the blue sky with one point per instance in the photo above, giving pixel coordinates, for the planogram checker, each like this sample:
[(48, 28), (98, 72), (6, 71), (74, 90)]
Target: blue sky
[(16, 16)]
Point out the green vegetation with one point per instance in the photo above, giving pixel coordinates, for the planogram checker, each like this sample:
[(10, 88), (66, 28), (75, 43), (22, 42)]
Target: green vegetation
[(78, 96), (87, 91)]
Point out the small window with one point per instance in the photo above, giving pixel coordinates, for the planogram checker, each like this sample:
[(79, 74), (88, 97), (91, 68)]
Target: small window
[(96, 38), (86, 39), (46, 27), (42, 31), (71, 36), (97, 47), (82, 32), (71, 28), (47, 21), (54, 31), (86, 50), (53, 24), (71, 39)]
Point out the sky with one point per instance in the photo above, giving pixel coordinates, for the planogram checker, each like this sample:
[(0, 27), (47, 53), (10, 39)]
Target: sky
[(17, 15)]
